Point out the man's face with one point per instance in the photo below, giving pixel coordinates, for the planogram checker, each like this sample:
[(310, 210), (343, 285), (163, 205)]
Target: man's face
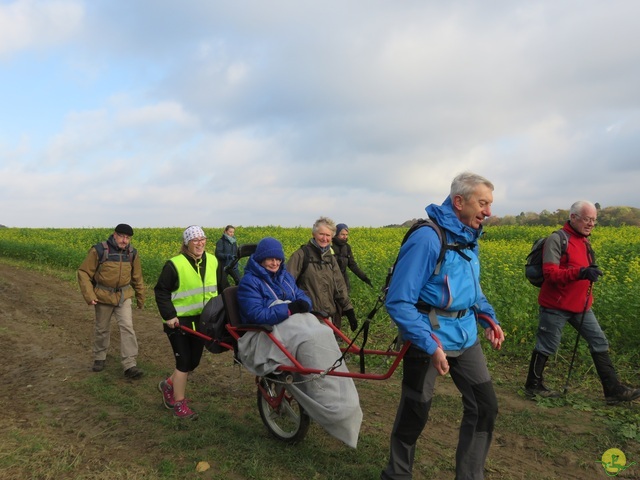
[(476, 208), (122, 240), (343, 235), (585, 221), (323, 236)]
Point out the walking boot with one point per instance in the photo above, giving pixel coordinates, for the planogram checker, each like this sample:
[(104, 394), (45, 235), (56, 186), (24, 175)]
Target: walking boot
[(182, 411), (166, 388), (535, 386), (614, 391)]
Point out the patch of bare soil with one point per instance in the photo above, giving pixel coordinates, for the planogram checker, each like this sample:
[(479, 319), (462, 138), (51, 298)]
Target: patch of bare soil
[(45, 340)]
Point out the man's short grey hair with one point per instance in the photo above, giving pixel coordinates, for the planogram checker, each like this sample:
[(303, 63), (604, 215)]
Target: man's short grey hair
[(324, 222), (466, 183), (579, 206)]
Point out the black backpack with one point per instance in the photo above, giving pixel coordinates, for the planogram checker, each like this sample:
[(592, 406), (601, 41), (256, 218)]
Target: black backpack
[(307, 259), (102, 249), (533, 267), (213, 320)]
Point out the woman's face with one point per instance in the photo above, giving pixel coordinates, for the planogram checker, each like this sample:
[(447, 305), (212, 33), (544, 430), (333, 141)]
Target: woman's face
[(323, 236), (196, 247), (231, 232), (271, 264)]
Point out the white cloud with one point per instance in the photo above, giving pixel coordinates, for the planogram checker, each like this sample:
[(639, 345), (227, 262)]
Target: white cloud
[(26, 24), (274, 113)]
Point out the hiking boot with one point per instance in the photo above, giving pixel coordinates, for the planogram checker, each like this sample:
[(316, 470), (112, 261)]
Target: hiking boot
[(167, 394), (539, 390), (182, 410), (534, 385), (133, 373), (98, 365), (624, 394)]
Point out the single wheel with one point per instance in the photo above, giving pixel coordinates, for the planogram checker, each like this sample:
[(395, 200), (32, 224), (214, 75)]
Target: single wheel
[(280, 412)]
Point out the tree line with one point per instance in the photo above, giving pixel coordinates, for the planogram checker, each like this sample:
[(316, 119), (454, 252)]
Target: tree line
[(607, 217)]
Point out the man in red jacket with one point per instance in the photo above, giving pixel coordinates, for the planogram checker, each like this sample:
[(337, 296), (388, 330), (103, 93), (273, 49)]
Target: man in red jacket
[(565, 296)]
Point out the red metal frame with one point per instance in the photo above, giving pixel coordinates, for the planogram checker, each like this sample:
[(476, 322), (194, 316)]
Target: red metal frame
[(296, 367)]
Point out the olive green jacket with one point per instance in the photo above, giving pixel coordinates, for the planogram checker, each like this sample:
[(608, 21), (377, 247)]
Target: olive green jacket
[(321, 280)]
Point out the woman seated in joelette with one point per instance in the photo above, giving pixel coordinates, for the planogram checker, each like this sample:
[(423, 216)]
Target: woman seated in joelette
[(267, 287), (268, 294)]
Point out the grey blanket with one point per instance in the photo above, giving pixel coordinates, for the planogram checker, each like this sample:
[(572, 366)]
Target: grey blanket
[(331, 401)]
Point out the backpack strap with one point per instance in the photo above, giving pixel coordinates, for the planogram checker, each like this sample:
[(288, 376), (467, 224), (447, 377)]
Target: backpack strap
[(444, 246), (306, 260), (102, 249)]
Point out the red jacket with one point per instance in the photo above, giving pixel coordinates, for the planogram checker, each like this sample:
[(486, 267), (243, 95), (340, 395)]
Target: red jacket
[(561, 289)]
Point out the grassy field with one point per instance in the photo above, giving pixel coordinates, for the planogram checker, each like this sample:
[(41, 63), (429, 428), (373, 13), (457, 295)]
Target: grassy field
[(503, 253), (58, 440)]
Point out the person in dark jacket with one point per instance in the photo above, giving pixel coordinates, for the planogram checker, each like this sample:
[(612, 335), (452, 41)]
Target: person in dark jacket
[(344, 256), (316, 271), (187, 282), (566, 296), (226, 252), (109, 278)]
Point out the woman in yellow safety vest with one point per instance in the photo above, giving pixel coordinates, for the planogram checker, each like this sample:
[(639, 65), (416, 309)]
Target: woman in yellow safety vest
[(187, 282)]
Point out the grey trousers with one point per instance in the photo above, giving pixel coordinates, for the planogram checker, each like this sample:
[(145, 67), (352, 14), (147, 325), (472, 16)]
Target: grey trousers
[(102, 337), (551, 323), (480, 408)]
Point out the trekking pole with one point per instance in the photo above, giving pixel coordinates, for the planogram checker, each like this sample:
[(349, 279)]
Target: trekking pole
[(575, 347)]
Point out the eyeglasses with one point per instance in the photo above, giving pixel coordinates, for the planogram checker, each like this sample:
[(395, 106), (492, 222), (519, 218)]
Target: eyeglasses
[(199, 240), (588, 219)]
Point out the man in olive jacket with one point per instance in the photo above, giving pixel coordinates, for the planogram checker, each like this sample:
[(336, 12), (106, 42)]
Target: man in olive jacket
[(109, 277)]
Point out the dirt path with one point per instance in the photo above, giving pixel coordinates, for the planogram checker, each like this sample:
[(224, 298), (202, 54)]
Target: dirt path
[(45, 339)]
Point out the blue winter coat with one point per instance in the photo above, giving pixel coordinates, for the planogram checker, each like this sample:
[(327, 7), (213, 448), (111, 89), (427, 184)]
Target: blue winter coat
[(455, 288), (259, 288)]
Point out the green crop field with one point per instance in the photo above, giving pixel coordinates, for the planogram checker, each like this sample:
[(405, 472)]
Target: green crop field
[(503, 253)]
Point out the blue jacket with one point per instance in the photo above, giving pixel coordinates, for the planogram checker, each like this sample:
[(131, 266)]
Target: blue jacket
[(259, 288), (455, 288)]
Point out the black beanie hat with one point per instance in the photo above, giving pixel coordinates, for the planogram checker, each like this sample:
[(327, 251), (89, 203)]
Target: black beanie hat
[(268, 247), (124, 229)]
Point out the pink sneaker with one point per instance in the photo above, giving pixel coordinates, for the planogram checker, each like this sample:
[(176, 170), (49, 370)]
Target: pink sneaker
[(182, 410), (167, 394)]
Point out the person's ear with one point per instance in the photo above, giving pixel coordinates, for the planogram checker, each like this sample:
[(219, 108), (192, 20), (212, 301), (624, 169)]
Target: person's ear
[(458, 202)]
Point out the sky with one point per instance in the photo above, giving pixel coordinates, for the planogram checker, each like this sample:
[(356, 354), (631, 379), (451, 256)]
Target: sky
[(162, 113)]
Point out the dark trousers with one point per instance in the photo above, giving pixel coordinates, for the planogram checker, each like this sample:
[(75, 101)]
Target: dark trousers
[(187, 349), (480, 408)]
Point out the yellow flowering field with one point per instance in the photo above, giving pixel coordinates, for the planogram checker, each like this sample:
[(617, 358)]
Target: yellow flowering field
[(503, 253)]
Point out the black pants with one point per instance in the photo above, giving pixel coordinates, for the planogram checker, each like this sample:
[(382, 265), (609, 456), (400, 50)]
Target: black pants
[(470, 374), (187, 349)]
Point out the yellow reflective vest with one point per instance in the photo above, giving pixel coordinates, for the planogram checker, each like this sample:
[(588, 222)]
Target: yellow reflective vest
[(193, 293)]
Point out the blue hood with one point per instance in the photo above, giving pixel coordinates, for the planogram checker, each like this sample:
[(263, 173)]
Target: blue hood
[(445, 216)]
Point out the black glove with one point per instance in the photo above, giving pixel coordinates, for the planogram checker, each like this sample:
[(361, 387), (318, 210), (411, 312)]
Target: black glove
[(298, 306), (353, 321), (368, 282), (591, 273)]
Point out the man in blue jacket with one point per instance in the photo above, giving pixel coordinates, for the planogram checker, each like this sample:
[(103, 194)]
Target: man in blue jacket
[(437, 307)]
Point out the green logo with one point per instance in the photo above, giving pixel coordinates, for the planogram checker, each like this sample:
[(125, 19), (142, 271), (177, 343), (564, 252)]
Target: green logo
[(614, 461)]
